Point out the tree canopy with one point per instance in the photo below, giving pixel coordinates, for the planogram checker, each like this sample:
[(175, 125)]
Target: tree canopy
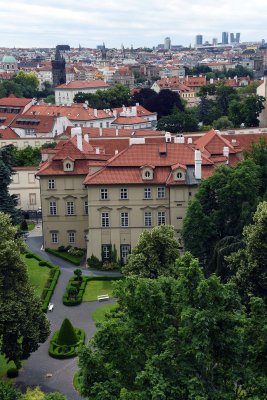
[(23, 84), (113, 97), (154, 254), (184, 338), (23, 325), (8, 202), (179, 122), (222, 206)]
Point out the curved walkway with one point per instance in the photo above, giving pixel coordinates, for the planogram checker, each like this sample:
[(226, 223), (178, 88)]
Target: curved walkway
[(36, 368)]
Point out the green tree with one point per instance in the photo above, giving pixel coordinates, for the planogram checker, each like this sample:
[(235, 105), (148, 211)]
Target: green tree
[(187, 341), (28, 82), (178, 122), (7, 202), (27, 156), (224, 94), (66, 334), (222, 206), (9, 392), (9, 87), (23, 325), (154, 254), (55, 396), (114, 97), (50, 99), (223, 123), (258, 154), (251, 109), (33, 394), (250, 263)]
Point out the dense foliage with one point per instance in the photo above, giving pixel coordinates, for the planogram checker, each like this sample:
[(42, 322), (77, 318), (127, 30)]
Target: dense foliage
[(8, 202), (154, 254), (113, 97), (184, 338), (23, 84), (23, 325)]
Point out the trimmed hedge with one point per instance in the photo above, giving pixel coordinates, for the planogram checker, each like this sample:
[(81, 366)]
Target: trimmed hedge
[(51, 282), (64, 256), (85, 279), (65, 351), (79, 298)]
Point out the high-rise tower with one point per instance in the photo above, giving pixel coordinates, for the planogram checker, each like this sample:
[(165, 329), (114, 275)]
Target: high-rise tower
[(225, 38)]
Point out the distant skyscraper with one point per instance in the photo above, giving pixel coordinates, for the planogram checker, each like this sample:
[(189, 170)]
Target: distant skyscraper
[(167, 43), (234, 38), (214, 41), (59, 66), (225, 38), (237, 37), (199, 40)]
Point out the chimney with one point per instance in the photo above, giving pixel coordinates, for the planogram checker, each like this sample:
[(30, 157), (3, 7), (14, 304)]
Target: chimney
[(198, 161), (97, 150), (115, 113), (80, 141), (75, 131), (100, 131), (86, 137), (117, 132), (189, 140), (95, 112), (116, 151), (137, 104), (226, 153)]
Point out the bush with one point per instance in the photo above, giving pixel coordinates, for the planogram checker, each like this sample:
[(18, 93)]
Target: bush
[(43, 264), (64, 255), (94, 262), (61, 248), (67, 301), (65, 344), (24, 225), (110, 266), (29, 255), (75, 252), (12, 373)]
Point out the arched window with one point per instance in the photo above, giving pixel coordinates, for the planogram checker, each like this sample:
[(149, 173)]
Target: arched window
[(179, 175)]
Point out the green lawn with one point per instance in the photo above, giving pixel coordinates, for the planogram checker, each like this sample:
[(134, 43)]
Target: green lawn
[(99, 314), (97, 288), (38, 275), (4, 366), (31, 226)]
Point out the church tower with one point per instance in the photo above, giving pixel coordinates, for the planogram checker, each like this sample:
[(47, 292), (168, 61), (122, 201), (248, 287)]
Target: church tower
[(59, 66)]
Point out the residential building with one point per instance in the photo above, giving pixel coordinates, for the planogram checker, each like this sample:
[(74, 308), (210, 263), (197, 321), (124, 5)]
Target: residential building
[(65, 93), (26, 187)]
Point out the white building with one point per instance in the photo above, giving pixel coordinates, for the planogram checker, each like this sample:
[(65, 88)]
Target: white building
[(64, 94)]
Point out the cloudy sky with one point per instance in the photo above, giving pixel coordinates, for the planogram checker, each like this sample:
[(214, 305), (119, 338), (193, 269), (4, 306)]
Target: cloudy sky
[(46, 23)]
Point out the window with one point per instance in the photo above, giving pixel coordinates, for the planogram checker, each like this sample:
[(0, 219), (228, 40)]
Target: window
[(71, 236), (31, 178), (103, 194), (53, 208), (125, 251), (106, 252), (70, 207), (161, 192), (15, 178), (124, 193), (54, 237), (124, 219), (179, 175), (32, 198), (161, 217), (86, 208), (68, 165), (148, 218), (51, 184), (147, 174), (147, 193), (105, 220)]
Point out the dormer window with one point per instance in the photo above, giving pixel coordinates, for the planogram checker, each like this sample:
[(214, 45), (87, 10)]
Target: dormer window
[(68, 165), (179, 175), (147, 172)]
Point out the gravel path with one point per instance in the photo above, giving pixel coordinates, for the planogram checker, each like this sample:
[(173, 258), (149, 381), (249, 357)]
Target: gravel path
[(40, 363)]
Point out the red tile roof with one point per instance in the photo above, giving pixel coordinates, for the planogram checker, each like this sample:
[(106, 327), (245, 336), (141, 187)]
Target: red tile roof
[(129, 121), (7, 134), (214, 143), (14, 101), (41, 123), (83, 85)]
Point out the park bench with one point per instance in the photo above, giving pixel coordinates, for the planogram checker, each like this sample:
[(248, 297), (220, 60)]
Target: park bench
[(50, 306), (103, 297)]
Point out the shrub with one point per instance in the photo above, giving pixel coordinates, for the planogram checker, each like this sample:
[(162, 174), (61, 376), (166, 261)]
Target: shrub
[(75, 252), (67, 335), (24, 225), (12, 373), (43, 264), (110, 266), (61, 248), (78, 273), (29, 255), (94, 262)]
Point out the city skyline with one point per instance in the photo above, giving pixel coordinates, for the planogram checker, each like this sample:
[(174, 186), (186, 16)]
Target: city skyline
[(27, 24)]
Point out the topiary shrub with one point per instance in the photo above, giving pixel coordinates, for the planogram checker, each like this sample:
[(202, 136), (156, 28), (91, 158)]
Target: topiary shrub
[(66, 341), (61, 248), (24, 225), (12, 373), (43, 264), (29, 255), (66, 334)]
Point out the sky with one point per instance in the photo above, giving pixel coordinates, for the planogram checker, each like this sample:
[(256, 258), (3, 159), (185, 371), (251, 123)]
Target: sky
[(46, 23)]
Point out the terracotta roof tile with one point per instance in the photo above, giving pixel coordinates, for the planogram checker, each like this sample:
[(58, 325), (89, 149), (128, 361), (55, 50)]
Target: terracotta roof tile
[(83, 84)]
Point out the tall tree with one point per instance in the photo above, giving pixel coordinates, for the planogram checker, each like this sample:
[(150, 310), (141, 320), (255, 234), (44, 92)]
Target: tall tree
[(178, 122), (187, 336), (258, 154), (23, 325), (223, 205), (7, 202), (154, 254), (250, 263)]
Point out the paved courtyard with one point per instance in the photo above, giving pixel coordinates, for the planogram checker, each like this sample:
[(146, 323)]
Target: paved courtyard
[(36, 368)]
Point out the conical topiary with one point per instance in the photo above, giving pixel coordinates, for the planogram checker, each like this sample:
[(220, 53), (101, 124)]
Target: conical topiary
[(66, 334)]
